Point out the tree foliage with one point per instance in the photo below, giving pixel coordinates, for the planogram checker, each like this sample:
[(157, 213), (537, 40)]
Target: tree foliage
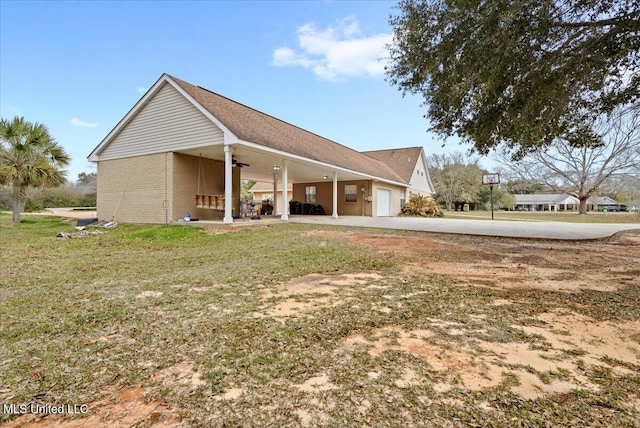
[(29, 157), (518, 72), (624, 189), (89, 180), (456, 178), (245, 190), (584, 171), (523, 186)]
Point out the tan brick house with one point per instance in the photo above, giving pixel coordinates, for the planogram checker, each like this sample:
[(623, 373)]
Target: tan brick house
[(184, 149)]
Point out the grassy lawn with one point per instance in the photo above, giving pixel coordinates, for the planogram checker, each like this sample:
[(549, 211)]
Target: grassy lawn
[(215, 327), (570, 217)]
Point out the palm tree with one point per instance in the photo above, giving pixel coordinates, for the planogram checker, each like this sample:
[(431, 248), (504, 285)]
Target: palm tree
[(29, 157)]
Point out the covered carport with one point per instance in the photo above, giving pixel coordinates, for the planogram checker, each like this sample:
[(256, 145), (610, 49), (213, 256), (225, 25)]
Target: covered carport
[(268, 165)]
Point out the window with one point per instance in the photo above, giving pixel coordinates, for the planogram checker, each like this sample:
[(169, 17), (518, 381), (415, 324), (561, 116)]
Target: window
[(350, 192), (310, 195), (403, 197)]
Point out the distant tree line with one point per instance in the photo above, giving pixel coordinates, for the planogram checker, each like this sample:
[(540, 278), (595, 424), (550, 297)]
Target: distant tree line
[(457, 179), (82, 193)]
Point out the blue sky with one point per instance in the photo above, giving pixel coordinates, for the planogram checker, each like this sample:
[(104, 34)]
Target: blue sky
[(78, 67)]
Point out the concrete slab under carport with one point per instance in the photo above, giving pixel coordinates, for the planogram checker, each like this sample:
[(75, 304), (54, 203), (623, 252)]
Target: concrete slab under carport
[(511, 229)]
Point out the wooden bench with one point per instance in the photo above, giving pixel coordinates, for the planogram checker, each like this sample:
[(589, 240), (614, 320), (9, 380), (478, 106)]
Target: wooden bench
[(212, 202)]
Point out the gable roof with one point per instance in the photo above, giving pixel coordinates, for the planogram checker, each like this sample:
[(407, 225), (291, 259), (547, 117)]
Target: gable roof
[(251, 125), (602, 200), (402, 161)]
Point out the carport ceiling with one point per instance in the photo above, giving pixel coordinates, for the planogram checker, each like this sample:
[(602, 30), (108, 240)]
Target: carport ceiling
[(261, 165)]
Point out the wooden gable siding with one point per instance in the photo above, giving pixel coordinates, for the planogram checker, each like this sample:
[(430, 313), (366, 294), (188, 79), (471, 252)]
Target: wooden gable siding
[(167, 123)]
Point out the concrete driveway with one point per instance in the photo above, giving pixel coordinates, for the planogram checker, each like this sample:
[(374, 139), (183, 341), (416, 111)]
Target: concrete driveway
[(512, 229)]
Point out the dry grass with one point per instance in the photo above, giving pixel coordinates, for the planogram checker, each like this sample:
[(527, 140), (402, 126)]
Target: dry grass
[(291, 325)]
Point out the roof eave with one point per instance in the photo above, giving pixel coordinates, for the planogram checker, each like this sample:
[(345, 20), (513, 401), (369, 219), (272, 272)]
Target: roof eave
[(292, 156)]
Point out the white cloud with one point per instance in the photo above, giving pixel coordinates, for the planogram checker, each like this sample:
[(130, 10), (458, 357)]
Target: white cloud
[(81, 124), (336, 52), (142, 89)]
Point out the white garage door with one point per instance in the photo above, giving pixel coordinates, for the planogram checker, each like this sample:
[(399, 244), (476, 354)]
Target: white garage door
[(384, 203)]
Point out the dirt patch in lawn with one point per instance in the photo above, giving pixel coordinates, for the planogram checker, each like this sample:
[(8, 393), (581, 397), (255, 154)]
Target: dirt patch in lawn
[(123, 408), (566, 341), (311, 292), (506, 263), (479, 365), (126, 407)]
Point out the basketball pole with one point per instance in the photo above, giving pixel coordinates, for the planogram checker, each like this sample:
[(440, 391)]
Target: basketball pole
[(491, 190)]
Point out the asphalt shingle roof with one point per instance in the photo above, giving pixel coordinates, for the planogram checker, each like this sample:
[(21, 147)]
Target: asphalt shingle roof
[(254, 126), (542, 198), (402, 161)]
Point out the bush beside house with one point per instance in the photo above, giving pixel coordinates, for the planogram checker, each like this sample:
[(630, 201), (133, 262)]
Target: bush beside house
[(422, 206)]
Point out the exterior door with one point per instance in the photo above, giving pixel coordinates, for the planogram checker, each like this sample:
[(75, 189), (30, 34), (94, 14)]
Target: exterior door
[(383, 208)]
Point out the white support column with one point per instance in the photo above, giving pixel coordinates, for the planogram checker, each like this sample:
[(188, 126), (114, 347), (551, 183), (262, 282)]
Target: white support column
[(285, 202), (335, 195), (275, 191), (228, 185)]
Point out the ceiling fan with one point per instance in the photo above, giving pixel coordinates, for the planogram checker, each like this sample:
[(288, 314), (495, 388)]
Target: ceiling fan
[(235, 162)]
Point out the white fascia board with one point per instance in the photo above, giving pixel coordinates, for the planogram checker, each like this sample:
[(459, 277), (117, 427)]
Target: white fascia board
[(229, 137), (287, 155)]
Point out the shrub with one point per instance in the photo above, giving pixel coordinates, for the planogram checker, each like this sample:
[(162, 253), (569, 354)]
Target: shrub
[(63, 196), (69, 195), (423, 206), (33, 206), (5, 198)]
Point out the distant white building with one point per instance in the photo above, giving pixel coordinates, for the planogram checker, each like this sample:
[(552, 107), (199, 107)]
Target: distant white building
[(546, 202), (600, 203), (562, 202)]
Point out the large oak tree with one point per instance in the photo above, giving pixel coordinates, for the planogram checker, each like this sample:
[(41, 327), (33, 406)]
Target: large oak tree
[(583, 171), (519, 72)]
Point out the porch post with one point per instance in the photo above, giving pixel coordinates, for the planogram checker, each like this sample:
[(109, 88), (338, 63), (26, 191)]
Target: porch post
[(335, 195), (275, 191), (228, 185), (285, 208)]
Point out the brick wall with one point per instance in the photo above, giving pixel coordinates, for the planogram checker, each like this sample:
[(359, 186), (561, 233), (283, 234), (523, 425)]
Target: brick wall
[(160, 187), (324, 197), (136, 189), (185, 185)]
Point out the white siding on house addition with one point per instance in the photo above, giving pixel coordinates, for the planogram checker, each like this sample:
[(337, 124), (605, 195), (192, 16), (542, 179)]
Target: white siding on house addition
[(167, 123), (420, 179)]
